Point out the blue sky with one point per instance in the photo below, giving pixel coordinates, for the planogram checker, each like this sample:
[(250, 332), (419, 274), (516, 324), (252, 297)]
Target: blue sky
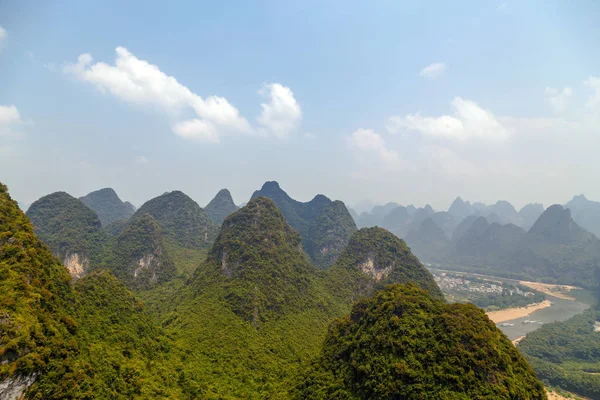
[(413, 102)]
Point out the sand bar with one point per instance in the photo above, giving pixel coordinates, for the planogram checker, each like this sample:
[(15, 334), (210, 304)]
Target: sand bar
[(517, 312), (560, 291)]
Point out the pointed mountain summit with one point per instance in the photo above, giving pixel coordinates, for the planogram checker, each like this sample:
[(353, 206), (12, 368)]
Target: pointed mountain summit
[(555, 225), (259, 257), (181, 219), (530, 213), (220, 206), (325, 226), (330, 233), (397, 221), (375, 257), (107, 204), (403, 344), (505, 212), (460, 209), (427, 240), (139, 256), (586, 213), (71, 229)]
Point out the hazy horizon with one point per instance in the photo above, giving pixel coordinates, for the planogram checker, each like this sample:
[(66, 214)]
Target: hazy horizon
[(407, 103)]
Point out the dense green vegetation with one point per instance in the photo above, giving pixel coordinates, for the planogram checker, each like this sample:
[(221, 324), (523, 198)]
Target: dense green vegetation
[(373, 258), (68, 227), (567, 354), (325, 226), (138, 256), (91, 341), (108, 206), (36, 316), (329, 234), (181, 219), (254, 310), (239, 321), (117, 351), (404, 344), (220, 207)]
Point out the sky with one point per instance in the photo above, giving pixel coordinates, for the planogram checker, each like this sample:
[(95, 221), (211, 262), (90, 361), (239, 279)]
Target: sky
[(411, 102)]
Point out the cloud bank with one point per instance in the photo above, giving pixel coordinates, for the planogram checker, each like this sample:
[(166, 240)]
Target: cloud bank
[(138, 82)]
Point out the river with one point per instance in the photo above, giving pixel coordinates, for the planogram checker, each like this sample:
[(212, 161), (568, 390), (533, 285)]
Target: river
[(560, 310)]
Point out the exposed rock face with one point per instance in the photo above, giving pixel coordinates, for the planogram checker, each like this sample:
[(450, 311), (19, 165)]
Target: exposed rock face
[(76, 265), (373, 258), (181, 219), (14, 388), (369, 268), (70, 229), (140, 258)]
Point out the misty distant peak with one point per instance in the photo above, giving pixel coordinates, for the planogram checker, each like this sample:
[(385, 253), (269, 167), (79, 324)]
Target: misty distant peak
[(220, 206)]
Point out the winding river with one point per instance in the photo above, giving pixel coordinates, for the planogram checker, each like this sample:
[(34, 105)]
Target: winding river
[(560, 310)]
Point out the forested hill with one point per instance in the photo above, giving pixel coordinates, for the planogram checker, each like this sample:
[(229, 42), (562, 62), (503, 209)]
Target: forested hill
[(246, 324), (325, 226), (109, 207), (71, 229), (403, 344), (220, 206), (181, 219)]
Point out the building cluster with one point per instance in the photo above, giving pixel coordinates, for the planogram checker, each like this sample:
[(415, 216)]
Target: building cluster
[(458, 283)]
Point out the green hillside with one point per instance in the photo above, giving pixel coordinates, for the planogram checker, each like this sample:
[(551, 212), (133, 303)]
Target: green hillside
[(139, 257), (374, 258), (325, 226), (181, 219), (566, 354), (36, 298), (220, 206), (108, 206), (70, 229), (403, 344)]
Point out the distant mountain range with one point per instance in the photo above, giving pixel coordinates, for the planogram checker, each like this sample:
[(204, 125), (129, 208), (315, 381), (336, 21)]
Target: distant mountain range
[(261, 313), (531, 243)]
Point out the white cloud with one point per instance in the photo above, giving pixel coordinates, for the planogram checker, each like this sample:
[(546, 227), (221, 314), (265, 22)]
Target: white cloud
[(3, 36), (593, 102), (557, 99), (369, 143), (468, 122), (139, 82), (9, 119), (141, 160), (434, 70), (9, 115), (282, 114), (197, 129)]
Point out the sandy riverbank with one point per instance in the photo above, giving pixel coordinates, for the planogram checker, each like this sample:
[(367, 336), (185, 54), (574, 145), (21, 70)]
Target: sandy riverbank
[(512, 313), (560, 291), (517, 340), (552, 395)]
